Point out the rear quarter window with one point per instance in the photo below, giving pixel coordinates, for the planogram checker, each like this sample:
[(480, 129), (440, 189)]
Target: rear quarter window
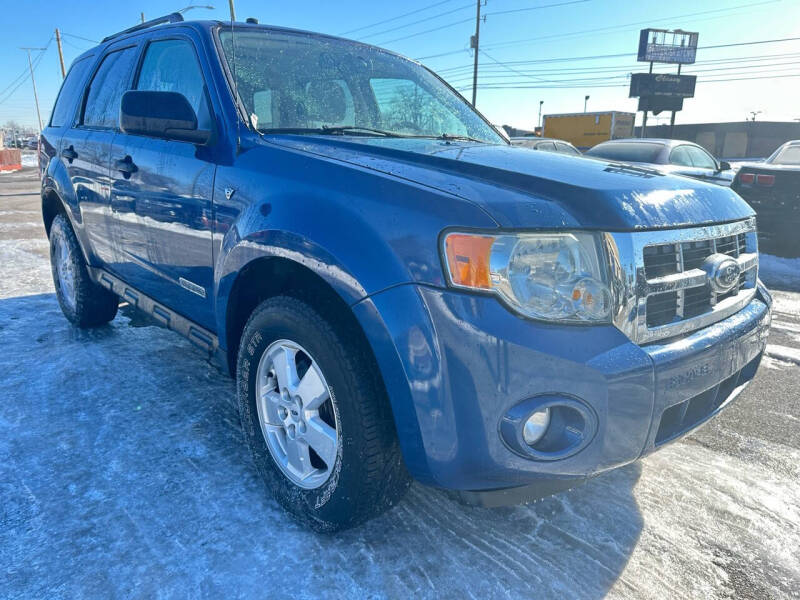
[(71, 89)]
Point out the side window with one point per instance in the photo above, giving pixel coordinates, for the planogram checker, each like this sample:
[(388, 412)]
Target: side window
[(106, 89), (680, 156), (171, 66), (546, 146), (567, 149), (405, 106), (64, 109), (700, 158)]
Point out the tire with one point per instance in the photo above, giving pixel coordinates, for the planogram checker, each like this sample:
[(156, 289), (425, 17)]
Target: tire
[(366, 474), (83, 302)]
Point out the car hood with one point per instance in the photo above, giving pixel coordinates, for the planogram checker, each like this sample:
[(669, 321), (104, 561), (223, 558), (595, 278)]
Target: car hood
[(522, 188)]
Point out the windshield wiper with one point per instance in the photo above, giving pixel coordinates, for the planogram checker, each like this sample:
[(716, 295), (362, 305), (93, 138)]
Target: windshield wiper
[(453, 136), (333, 130)]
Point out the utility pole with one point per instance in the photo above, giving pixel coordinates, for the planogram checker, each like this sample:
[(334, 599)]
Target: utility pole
[(142, 16), (672, 118), (540, 113), (33, 81), (60, 54), (475, 44), (233, 10), (644, 117)]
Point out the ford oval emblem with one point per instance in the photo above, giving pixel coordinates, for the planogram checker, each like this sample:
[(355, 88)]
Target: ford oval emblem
[(723, 272)]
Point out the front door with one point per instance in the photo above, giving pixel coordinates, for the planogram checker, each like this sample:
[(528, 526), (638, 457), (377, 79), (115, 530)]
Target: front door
[(161, 193)]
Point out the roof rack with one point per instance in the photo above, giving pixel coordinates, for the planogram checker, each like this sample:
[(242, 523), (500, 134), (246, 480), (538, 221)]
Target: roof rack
[(170, 18)]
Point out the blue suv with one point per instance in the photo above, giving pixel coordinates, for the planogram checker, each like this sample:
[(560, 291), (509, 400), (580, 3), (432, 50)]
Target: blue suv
[(398, 291)]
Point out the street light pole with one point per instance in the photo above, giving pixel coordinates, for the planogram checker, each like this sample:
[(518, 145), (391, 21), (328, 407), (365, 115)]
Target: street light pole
[(33, 81), (585, 102)]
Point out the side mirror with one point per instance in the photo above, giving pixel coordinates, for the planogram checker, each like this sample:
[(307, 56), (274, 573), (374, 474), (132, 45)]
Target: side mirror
[(165, 115), (724, 166)]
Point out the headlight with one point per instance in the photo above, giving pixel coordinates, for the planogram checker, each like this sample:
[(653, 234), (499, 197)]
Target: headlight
[(548, 276)]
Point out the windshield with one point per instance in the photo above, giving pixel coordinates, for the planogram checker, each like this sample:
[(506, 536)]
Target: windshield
[(643, 152), (298, 83), (788, 155)]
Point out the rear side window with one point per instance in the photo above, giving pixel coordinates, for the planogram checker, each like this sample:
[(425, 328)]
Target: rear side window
[(171, 66), (701, 158), (106, 89), (789, 155), (567, 149), (546, 146), (64, 109), (644, 152), (680, 156)]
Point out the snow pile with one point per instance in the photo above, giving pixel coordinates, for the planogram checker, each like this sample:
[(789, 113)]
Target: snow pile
[(780, 272), (30, 160)]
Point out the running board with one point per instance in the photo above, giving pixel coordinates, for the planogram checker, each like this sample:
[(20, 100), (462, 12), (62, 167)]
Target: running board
[(200, 337)]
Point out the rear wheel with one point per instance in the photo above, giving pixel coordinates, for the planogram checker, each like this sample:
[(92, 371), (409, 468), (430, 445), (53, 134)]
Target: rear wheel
[(316, 418), (82, 301)]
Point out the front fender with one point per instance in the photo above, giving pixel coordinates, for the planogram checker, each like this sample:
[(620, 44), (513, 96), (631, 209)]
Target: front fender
[(360, 230)]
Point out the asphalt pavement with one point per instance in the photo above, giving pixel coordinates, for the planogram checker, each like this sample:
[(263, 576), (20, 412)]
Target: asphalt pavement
[(123, 475)]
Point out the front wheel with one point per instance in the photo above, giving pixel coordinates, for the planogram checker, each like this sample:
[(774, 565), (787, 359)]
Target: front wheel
[(316, 417), (83, 302)]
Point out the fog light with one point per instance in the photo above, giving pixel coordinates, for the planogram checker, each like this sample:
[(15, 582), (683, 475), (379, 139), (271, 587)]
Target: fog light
[(536, 426)]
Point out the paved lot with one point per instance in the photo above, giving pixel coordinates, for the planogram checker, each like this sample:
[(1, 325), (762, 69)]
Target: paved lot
[(122, 474)]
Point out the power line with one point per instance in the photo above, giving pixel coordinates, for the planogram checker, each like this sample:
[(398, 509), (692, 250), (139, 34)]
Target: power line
[(607, 28), (14, 86), (637, 23), (412, 23), (78, 37), (540, 7), (624, 71), (398, 17), (619, 55), (519, 10), (406, 37), (615, 85)]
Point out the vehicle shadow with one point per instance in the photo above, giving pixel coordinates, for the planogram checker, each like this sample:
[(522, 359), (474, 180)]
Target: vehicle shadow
[(123, 473)]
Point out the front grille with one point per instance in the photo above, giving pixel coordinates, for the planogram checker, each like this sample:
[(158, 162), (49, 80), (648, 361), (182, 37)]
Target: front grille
[(663, 260), (661, 287), (667, 259)]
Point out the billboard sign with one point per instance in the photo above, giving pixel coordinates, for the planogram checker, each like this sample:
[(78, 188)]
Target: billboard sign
[(662, 84), (667, 46), (656, 104)]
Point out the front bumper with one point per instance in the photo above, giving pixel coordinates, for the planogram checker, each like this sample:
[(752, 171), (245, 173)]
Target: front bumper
[(454, 364)]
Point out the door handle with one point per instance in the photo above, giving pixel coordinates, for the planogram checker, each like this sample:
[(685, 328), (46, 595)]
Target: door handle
[(69, 154), (126, 166)]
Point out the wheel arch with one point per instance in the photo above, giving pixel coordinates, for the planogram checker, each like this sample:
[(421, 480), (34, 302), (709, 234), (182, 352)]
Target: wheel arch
[(269, 276), (52, 205)]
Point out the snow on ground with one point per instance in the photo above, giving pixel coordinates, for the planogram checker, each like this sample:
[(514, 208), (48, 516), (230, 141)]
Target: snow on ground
[(29, 160), (123, 473), (783, 273)]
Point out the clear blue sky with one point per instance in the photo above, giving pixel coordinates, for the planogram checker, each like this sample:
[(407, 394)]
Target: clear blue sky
[(558, 29)]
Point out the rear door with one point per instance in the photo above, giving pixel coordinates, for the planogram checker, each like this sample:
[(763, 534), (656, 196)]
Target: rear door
[(161, 191), (85, 149)]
